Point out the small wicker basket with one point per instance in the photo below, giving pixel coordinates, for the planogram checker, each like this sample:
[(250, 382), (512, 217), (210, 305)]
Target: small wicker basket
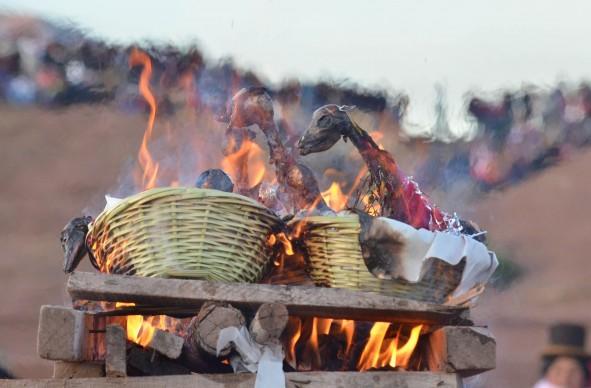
[(336, 261), (184, 232)]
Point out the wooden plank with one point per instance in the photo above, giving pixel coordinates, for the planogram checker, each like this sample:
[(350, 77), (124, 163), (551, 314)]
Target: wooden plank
[(116, 357), (294, 380), (299, 300), (77, 370), (467, 351)]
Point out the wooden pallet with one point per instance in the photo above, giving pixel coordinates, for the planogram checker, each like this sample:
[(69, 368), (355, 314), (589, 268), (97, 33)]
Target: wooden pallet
[(454, 347)]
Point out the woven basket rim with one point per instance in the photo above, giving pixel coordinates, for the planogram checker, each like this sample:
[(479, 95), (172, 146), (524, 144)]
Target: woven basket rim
[(191, 192), (346, 218)]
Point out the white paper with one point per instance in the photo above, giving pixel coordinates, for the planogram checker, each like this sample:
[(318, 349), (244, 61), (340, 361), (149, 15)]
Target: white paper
[(421, 244), (270, 373), (111, 202), (264, 360)]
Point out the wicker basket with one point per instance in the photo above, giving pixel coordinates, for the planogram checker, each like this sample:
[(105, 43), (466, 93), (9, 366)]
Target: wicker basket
[(336, 261), (184, 232)]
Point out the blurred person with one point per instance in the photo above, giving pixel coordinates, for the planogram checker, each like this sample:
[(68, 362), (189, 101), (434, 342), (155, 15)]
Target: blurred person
[(564, 359), (495, 119)]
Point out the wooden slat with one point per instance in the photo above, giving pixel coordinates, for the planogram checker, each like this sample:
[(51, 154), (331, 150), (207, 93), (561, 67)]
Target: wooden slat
[(301, 301), (294, 380)]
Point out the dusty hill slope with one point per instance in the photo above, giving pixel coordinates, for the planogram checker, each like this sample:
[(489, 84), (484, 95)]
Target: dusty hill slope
[(544, 224), (54, 163)]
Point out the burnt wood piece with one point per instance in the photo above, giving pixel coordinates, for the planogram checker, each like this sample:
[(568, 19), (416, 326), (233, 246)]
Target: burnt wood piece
[(204, 329), (268, 323), (467, 351), (301, 301), (247, 380), (73, 239), (150, 363), (115, 359), (199, 349), (166, 343)]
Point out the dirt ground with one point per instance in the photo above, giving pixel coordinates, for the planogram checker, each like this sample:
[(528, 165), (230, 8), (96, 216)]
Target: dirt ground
[(56, 163)]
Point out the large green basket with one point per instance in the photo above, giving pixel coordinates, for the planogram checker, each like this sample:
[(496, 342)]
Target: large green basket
[(184, 232), (336, 261)]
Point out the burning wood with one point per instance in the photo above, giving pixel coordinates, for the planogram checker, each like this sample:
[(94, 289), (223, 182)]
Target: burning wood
[(167, 344), (310, 343), (257, 327), (144, 362)]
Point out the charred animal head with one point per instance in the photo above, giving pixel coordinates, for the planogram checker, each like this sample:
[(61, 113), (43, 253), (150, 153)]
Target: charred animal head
[(328, 124), (251, 106), (73, 239)]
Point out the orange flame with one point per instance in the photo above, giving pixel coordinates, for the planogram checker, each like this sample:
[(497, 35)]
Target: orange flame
[(402, 355), (348, 328), (140, 329), (381, 350), (293, 340), (334, 197), (371, 353), (147, 163), (247, 165)]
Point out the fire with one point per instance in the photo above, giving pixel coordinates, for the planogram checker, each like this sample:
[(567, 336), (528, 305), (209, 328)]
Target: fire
[(334, 197), (293, 340), (147, 163), (140, 329), (402, 355), (381, 350), (247, 165), (347, 328)]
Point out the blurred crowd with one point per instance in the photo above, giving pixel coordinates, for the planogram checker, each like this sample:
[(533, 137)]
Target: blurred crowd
[(518, 132)]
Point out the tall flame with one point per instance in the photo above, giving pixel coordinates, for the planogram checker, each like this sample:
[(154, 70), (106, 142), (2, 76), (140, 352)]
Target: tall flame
[(147, 163)]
